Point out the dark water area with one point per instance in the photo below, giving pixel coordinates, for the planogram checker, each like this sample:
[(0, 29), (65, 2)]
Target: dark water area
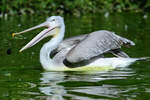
[(23, 78)]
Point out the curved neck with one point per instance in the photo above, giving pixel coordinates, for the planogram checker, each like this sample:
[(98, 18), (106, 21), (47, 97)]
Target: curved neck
[(45, 59)]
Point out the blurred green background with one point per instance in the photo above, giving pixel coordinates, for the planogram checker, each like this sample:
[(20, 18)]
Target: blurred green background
[(73, 7)]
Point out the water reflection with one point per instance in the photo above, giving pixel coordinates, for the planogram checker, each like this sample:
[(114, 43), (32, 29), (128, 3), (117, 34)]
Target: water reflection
[(82, 86), (49, 87)]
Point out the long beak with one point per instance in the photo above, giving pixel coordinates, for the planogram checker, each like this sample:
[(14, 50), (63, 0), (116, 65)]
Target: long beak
[(39, 37), (32, 28)]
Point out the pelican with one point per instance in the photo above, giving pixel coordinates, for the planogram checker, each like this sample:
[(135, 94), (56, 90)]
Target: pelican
[(80, 52)]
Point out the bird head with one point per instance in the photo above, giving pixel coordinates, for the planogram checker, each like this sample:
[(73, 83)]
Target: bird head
[(52, 24)]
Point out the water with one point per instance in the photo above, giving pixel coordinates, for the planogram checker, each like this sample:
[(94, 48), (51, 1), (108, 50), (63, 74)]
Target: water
[(22, 77)]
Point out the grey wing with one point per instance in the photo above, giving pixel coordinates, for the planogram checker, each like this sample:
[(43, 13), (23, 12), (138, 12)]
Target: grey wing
[(69, 42), (61, 55), (94, 44)]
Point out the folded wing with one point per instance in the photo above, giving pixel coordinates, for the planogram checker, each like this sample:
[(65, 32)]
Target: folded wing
[(95, 44)]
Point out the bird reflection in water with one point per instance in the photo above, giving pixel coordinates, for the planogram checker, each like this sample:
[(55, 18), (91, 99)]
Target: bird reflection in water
[(94, 85)]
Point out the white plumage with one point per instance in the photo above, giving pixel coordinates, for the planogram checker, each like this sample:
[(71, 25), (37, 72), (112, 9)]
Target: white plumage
[(80, 48)]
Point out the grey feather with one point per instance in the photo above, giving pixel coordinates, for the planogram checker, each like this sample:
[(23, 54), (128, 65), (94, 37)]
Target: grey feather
[(119, 53), (61, 55), (94, 44), (69, 42), (65, 46)]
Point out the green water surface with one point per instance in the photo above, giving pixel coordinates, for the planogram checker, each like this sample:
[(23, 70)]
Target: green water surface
[(23, 78)]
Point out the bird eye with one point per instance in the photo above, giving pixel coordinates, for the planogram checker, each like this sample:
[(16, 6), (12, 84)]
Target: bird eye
[(53, 19)]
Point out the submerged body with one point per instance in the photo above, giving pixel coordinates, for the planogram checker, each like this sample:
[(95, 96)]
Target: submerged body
[(79, 49)]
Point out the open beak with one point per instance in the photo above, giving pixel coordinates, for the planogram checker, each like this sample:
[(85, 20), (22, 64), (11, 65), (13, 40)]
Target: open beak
[(45, 33), (32, 28)]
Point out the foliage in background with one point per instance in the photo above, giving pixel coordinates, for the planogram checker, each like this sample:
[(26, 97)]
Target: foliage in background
[(75, 7)]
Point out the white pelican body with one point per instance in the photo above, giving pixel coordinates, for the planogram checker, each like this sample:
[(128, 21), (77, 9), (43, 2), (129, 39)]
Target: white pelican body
[(50, 64), (85, 49)]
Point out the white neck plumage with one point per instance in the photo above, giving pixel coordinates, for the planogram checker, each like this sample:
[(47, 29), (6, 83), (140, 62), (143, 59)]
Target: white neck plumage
[(48, 47)]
